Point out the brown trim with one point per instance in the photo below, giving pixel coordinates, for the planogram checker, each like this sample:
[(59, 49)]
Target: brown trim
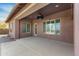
[(19, 29)]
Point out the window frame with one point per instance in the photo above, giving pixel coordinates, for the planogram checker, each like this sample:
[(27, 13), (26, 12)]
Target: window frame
[(30, 28), (60, 26), (26, 27), (50, 26), (23, 27)]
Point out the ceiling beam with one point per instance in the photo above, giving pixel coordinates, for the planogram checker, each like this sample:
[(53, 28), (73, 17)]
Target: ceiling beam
[(30, 9)]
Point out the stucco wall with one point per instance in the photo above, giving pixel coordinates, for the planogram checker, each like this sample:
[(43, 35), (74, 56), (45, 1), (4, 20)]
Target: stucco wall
[(12, 29), (66, 26), (25, 34), (76, 29)]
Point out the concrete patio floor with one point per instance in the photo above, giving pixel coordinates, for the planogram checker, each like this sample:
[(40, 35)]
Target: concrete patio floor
[(36, 46), (5, 38)]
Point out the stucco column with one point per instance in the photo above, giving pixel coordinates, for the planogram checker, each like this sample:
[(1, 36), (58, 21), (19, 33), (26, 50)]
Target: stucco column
[(16, 28), (76, 29)]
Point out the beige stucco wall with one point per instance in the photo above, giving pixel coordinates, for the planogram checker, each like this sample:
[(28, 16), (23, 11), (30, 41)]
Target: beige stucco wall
[(15, 28), (12, 29), (66, 26), (21, 24), (76, 29)]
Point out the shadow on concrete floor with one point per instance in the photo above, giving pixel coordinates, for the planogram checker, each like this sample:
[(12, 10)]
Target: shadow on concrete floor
[(5, 38)]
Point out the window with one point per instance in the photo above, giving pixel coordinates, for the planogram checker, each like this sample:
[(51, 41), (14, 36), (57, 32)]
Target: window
[(52, 27), (26, 27), (48, 26), (57, 25)]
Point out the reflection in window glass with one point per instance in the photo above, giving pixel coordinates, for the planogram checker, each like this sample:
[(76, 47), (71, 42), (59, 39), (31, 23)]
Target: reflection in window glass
[(28, 28), (57, 26), (52, 27), (48, 26), (24, 27)]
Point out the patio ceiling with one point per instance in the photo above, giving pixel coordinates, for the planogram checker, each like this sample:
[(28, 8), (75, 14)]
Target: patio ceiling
[(23, 10), (27, 10), (51, 9)]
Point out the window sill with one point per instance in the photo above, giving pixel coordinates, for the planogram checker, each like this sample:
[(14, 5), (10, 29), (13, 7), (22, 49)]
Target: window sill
[(26, 32), (51, 33)]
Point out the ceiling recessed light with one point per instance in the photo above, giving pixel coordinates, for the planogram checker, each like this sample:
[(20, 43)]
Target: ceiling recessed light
[(56, 5)]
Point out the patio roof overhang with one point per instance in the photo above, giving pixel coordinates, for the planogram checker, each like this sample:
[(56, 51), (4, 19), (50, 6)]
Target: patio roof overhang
[(15, 10), (51, 8), (25, 9)]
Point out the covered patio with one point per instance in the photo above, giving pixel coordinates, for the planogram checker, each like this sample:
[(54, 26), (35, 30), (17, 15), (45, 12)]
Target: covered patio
[(50, 35), (36, 46)]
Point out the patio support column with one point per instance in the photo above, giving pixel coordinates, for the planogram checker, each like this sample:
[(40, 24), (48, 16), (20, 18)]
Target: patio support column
[(76, 29), (17, 30)]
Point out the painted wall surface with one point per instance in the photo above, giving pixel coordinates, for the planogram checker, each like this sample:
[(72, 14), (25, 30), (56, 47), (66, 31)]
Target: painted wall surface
[(76, 29), (12, 29), (25, 34), (66, 26), (17, 30)]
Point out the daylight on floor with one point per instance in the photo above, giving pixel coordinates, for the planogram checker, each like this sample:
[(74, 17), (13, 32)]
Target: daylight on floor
[(38, 29)]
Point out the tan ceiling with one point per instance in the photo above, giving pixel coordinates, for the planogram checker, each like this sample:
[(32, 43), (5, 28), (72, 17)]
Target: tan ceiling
[(50, 9)]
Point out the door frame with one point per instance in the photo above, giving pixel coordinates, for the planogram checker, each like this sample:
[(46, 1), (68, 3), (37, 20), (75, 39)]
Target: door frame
[(34, 29)]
